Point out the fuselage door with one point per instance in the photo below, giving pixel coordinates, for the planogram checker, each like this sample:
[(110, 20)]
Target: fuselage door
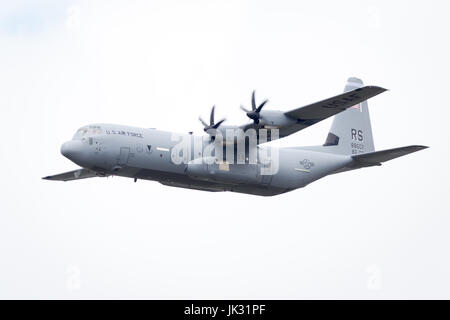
[(124, 155), (264, 168)]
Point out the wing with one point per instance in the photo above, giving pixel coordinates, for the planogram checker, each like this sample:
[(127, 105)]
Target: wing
[(298, 119), (316, 112), (72, 175)]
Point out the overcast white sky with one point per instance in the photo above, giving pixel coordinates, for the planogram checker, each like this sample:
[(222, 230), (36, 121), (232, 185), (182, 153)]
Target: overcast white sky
[(373, 233)]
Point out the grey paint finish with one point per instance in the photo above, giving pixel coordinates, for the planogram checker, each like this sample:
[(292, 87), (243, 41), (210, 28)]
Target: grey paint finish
[(150, 154)]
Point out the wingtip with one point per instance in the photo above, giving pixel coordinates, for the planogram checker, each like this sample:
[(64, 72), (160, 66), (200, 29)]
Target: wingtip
[(419, 147), (375, 89), (381, 89)]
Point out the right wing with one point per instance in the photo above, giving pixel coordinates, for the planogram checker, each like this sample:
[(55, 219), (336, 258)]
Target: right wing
[(72, 175)]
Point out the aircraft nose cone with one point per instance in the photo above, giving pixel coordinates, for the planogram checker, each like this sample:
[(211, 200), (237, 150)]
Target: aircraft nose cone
[(71, 149)]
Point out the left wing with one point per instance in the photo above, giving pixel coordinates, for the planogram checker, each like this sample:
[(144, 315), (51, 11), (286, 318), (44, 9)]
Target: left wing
[(316, 112), (298, 119), (72, 175)]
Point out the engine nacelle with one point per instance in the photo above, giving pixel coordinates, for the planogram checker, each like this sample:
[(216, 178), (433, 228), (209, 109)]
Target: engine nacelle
[(272, 119)]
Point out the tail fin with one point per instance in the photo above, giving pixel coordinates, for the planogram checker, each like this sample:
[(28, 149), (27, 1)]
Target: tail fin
[(351, 132)]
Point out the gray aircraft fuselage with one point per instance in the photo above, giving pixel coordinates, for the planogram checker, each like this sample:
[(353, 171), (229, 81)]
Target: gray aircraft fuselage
[(146, 154)]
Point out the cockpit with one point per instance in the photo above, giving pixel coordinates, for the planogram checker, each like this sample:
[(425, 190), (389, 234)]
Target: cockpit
[(87, 131)]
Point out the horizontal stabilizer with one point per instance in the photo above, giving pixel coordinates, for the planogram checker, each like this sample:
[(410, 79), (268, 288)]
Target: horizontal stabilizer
[(72, 175), (376, 158)]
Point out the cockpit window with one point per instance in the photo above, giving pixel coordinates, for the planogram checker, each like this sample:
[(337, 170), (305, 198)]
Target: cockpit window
[(87, 131)]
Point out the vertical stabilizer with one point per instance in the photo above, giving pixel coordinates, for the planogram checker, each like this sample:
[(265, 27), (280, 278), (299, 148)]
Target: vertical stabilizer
[(351, 132)]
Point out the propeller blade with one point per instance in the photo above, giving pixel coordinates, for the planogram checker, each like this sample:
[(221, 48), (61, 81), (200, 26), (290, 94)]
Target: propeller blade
[(211, 117), (261, 106), (202, 121), (244, 109), (253, 101), (218, 124)]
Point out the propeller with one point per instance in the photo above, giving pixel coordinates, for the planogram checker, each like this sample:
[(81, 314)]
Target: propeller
[(254, 114), (211, 125)]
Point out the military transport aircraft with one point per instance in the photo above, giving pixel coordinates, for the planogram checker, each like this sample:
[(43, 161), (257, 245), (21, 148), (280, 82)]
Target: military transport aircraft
[(236, 158)]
